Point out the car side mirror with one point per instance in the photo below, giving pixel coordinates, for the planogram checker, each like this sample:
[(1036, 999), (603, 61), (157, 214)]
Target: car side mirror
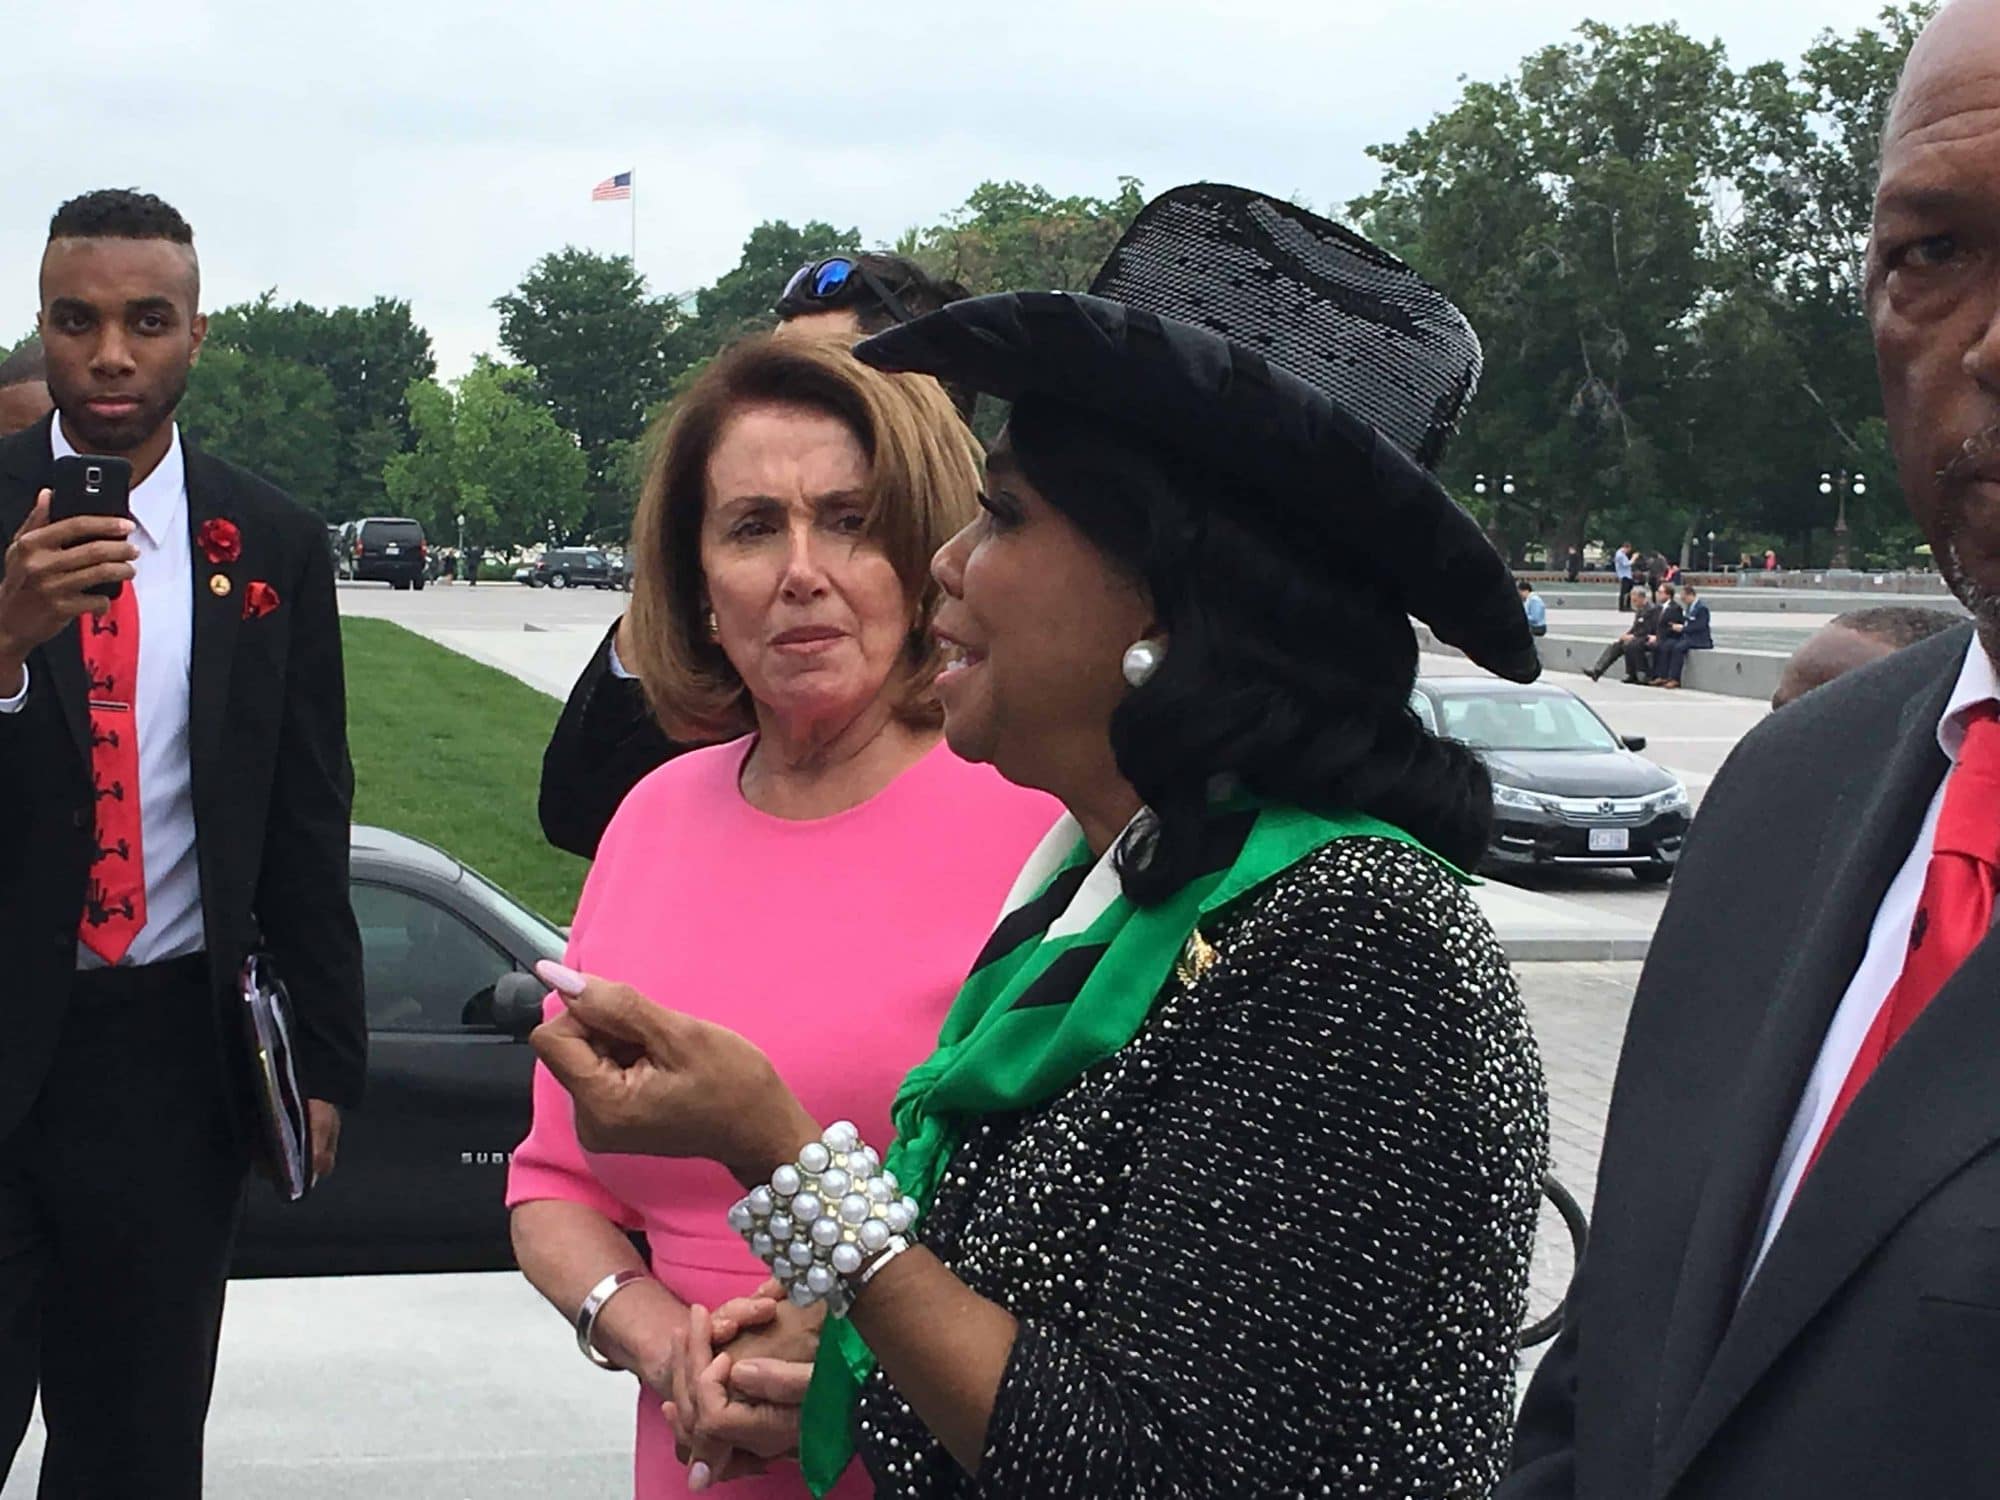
[(1635, 742), (517, 1004)]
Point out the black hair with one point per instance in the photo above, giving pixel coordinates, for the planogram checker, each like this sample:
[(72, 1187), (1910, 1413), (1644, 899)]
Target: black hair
[(1899, 625), (125, 214), (29, 362), (916, 292), (920, 293), (1524, 586), (913, 286), (1289, 664), (121, 214)]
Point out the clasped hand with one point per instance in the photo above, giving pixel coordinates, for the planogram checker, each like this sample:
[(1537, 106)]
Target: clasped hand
[(735, 1412)]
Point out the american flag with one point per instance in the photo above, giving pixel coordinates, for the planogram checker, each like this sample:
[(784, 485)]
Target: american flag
[(612, 189)]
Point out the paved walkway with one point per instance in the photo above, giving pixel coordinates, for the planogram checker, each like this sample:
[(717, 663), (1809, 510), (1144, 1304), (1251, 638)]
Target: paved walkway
[(440, 1387)]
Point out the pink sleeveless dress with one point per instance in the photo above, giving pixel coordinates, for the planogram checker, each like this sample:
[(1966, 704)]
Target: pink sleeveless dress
[(836, 945)]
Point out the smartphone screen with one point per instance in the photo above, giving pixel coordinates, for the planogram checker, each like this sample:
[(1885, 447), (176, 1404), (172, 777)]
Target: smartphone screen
[(87, 484)]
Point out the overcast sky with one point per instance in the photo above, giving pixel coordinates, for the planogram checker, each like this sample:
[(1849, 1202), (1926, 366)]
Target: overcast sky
[(432, 149)]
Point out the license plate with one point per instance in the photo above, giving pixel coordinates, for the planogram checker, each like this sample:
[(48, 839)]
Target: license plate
[(1610, 840), (393, 548)]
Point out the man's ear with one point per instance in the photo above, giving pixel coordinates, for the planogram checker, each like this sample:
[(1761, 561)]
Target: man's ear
[(198, 327)]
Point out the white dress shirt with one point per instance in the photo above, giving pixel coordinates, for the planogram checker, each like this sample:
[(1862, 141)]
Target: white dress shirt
[(1881, 966), (163, 584)]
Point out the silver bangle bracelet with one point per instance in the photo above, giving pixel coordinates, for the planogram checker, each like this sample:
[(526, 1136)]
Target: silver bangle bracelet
[(593, 1304), (869, 1272), (825, 1220)]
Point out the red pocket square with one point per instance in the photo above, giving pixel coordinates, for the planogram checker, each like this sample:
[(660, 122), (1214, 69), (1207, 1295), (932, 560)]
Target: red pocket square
[(259, 599)]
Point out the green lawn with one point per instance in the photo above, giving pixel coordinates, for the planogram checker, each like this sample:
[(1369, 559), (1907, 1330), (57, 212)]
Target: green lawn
[(449, 751)]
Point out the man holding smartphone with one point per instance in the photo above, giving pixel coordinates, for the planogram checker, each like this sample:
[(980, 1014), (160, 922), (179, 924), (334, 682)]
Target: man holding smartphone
[(178, 795)]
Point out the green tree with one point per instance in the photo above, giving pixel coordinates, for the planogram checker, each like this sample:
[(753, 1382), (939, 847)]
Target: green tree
[(490, 451), (1011, 236), (599, 345), (369, 355), (1568, 209), (1804, 158), (274, 417), (741, 300)]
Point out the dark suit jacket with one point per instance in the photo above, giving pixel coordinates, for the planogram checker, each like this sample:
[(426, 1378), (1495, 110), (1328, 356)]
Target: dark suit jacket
[(1694, 632), (604, 744), (1861, 1361), (272, 790)]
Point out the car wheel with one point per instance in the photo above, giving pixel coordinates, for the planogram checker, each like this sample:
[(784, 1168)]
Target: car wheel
[(560, 581), (418, 585), (399, 584), (1653, 874)]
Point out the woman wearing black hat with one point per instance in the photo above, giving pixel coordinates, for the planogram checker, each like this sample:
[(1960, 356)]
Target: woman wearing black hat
[(1223, 1178)]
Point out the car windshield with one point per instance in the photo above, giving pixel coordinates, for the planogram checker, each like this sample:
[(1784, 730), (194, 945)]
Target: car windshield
[(1523, 721), (525, 920), (379, 533)]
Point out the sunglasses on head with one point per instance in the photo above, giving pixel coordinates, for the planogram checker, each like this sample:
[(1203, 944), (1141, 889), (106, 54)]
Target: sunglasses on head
[(835, 282)]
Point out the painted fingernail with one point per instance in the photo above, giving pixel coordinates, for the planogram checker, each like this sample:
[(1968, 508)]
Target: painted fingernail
[(698, 1476), (562, 980)]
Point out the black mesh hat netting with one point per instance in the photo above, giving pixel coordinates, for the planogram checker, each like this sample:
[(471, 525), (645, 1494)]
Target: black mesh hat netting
[(1315, 370), (1316, 300)]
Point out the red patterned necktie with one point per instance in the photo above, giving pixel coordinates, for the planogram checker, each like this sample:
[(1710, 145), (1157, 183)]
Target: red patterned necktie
[(114, 910), (1955, 912)]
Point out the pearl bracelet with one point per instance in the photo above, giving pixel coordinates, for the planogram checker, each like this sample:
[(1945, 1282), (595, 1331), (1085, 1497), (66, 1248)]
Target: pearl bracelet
[(824, 1218)]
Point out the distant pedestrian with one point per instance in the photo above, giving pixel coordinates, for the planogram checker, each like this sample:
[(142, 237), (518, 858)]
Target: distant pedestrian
[(1573, 568), (474, 556), (1654, 626), (1641, 607), (1621, 564), (1770, 561), (1690, 632), (1536, 610), (24, 388), (1854, 640)]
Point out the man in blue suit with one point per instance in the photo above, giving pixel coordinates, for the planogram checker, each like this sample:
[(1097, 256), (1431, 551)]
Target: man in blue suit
[(1691, 633)]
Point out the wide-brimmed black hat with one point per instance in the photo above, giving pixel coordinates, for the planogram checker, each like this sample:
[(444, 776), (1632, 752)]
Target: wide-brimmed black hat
[(1315, 369)]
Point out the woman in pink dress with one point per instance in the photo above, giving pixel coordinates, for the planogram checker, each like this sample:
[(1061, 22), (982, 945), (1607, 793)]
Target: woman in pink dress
[(833, 858)]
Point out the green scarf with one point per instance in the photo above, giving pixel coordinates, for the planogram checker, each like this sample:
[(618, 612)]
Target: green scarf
[(1065, 981)]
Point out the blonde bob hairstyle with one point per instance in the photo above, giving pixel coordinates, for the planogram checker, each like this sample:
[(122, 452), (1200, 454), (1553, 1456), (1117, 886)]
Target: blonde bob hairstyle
[(924, 478)]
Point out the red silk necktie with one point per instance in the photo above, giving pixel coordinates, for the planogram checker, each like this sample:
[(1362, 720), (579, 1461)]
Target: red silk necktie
[(114, 908), (1955, 912)]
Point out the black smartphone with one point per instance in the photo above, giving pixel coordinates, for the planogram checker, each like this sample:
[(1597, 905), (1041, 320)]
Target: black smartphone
[(87, 484)]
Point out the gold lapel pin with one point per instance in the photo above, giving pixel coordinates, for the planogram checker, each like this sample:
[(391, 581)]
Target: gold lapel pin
[(218, 585), (1197, 958)]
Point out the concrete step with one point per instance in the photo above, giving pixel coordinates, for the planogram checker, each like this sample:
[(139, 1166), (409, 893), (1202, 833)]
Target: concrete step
[(1734, 673)]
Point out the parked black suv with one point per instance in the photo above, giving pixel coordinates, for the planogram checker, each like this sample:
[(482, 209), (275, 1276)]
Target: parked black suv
[(391, 550), (572, 567)]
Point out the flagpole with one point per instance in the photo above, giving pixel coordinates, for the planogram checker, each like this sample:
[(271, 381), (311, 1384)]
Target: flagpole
[(634, 201)]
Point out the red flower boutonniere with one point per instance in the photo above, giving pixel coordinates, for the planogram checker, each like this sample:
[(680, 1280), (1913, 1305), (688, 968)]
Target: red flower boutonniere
[(259, 599), (219, 540)]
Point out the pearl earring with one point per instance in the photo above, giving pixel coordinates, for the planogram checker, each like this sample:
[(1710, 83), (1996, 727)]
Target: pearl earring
[(1142, 660), (714, 627)]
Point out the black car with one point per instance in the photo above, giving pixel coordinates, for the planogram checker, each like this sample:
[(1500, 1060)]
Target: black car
[(389, 549), (423, 1164), (1566, 790), (571, 567)]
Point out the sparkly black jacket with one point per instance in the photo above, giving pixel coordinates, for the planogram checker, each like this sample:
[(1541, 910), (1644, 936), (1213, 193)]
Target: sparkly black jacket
[(1279, 1244)]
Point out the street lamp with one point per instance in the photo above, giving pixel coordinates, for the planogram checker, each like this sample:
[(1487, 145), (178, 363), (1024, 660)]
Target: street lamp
[(1711, 552), (1843, 485)]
